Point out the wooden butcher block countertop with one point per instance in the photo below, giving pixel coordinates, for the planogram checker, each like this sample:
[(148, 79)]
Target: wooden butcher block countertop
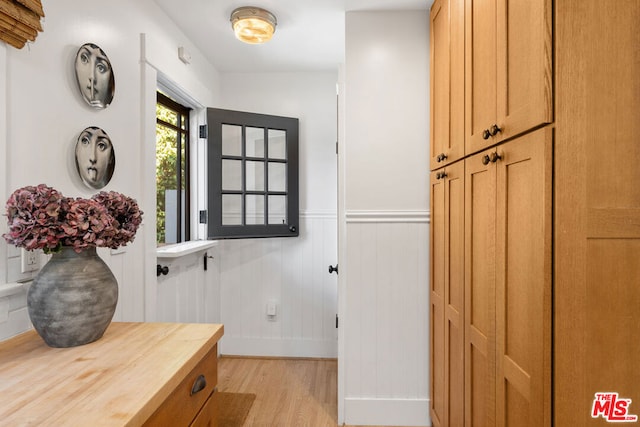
[(119, 380)]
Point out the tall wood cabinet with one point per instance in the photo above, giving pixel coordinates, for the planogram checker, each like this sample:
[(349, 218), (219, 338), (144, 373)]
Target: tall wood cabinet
[(550, 304), (491, 295)]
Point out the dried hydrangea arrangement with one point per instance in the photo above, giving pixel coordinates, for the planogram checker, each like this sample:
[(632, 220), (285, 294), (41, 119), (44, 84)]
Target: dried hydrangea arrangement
[(41, 217)]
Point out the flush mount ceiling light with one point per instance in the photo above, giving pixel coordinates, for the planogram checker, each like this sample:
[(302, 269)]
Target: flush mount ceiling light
[(253, 25)]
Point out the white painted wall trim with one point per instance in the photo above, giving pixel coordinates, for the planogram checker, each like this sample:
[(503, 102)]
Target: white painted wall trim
[(277, 347), (3, 155), (358, 216), (371, 411)]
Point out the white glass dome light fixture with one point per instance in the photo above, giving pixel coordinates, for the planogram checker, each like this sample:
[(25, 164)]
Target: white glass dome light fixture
[(253, 25)]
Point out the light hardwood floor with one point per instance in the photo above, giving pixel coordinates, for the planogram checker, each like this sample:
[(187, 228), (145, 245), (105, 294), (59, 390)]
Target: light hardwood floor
[(289, 392)]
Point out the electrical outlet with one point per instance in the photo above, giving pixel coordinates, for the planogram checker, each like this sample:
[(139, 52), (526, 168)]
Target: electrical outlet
[(272, 309), (29, 260)]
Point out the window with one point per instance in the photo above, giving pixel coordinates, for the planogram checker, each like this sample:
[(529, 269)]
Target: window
[(253, 175), (172, 171)]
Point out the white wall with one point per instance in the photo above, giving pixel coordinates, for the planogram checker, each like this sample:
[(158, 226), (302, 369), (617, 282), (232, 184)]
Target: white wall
[(384, 254), (291, 271), (45, 113)]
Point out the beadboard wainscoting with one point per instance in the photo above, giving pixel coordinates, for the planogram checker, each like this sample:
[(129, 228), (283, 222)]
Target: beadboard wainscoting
[(189, 293), (291, 273), (386, 322)]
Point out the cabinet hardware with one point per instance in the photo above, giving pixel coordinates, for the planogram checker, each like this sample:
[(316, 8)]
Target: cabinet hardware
[(199, 384), (332, 269), (441, 157), (495, 157), (162, 270), (494, 130), (486, 134), (485, 160)]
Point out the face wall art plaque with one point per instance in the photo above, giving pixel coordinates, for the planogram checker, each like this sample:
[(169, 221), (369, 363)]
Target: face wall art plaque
[(95, 157), (94, 75)]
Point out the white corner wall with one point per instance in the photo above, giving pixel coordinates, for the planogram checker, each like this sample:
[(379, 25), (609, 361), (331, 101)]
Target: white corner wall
[(384, 254)]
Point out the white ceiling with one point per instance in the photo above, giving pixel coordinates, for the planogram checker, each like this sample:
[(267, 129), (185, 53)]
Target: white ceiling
[(309, 35)]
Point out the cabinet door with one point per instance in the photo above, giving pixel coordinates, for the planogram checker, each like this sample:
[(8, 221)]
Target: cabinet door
[(524, 66), (523, 280), (508, 52), (480, 73), (447, 82), (447, 295), (437, 283), (479, 292)]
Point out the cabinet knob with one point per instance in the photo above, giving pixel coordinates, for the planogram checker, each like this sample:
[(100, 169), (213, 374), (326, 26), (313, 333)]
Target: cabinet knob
[(441, 157), (486, 134), (494, 130), (162, 270), (485, 160), (495, 157)]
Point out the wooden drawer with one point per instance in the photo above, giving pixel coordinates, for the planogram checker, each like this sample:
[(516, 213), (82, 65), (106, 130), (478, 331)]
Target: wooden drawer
[(208, 416), (181, 407)]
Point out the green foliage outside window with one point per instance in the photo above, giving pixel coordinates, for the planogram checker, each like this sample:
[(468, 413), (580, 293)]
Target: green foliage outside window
[(166, 158)]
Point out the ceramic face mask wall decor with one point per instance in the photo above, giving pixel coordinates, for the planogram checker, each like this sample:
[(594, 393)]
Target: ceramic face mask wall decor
[(94, 75), (95, 157)]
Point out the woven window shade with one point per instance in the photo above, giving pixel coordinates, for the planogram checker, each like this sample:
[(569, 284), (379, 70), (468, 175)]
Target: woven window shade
[(20, 21)]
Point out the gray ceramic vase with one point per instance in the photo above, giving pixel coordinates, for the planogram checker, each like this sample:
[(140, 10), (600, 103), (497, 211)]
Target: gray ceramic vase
[(73, 298)]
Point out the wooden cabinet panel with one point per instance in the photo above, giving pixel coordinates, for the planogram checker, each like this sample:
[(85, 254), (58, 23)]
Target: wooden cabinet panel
[(523, 281), (209, 414), (447, 82), (508, 283), (509, 83), (597, 199), (480, 306), (437, 262), (447, 295), (480, 73), (182, 406), (524, 66)]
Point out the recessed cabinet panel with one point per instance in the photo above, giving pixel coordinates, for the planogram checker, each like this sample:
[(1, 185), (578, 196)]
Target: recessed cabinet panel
[(447, 295), (509, 69), (523, 280), (437, 283), (447, 82), (480, 303)]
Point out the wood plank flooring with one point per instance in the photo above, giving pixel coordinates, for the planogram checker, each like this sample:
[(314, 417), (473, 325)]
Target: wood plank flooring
[(289, 392)]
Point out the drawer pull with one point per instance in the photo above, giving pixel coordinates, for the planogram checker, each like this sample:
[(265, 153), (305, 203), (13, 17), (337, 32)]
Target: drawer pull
[(199, 384)]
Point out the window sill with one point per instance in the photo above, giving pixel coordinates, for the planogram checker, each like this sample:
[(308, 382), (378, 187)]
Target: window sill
[(181, 249), (8, 289)]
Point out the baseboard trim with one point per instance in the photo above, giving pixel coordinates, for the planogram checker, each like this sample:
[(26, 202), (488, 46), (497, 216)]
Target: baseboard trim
[(401, 412), (280, 348)]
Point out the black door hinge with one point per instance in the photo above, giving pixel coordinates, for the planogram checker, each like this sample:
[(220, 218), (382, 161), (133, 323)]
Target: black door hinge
[(203, 131), (336, 321)]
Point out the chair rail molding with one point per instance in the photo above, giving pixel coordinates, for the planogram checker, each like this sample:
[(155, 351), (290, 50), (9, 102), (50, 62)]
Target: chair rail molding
[(408, 216)]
